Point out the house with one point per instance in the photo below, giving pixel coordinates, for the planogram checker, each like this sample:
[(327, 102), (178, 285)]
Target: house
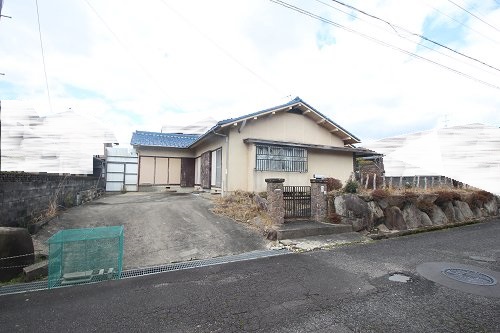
[(293, 141), (469, 154)]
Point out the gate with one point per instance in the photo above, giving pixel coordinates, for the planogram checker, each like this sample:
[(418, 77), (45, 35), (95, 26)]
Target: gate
[(297, 201)]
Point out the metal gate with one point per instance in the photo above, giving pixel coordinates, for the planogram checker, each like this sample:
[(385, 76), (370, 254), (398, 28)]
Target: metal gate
[(297, 201), (121, 169)]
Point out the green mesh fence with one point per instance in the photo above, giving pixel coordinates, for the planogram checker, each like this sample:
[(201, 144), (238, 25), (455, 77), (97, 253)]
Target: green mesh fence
[(85, 255)]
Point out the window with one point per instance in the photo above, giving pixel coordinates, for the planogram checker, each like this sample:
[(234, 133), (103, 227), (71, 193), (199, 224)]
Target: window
[(217, 168), (281, 158)]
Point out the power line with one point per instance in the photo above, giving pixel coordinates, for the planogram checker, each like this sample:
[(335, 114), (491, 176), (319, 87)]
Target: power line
[(396, 31), (474, 15), (327, 21), (43, 55), (461, 23), (223, 50), (138, 63), (415, 34)]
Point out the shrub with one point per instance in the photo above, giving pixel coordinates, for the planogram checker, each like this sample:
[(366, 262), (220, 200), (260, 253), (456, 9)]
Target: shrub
[(351, 186), (425, 207), (333, 184), (446, 196), (479, 198), (409, 196), (380, 194)]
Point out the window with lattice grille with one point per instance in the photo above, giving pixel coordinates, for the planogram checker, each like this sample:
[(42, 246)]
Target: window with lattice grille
[(281, 158)]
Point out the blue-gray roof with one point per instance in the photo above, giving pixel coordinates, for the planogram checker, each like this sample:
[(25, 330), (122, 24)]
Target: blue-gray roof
[(292, 102), (154, 139)]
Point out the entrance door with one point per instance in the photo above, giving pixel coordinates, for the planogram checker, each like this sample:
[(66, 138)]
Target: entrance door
[(187, 172)]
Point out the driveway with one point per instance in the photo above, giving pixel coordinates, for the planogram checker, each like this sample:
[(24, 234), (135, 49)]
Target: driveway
[(159, 227)]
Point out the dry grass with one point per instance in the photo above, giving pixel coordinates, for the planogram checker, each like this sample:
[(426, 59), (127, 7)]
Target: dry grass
[(425, 207), (446, 196), (52, 207), (242, 207), (380, 194), (478, 199)]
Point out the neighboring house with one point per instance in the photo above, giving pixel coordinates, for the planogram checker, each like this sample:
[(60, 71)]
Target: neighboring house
[(293, 141), (469, 154), (64, 142)]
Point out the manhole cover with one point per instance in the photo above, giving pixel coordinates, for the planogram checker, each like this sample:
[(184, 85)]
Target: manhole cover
[(469, 276)]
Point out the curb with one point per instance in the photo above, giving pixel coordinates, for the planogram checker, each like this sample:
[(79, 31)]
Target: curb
[(430, 228)]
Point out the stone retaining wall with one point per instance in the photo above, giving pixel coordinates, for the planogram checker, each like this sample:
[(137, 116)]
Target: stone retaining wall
[(25, 196), (403, 212)]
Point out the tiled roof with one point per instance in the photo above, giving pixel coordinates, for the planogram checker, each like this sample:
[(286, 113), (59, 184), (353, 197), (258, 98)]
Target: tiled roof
[(174, 140), (231, 120), (154, 139)]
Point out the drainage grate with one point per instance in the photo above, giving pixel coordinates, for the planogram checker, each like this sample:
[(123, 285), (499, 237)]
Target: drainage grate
[(202, 263), (469, 276), (43, 285)]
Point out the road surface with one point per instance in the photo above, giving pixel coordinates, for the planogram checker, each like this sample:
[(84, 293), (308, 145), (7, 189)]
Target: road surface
[(345, 289)]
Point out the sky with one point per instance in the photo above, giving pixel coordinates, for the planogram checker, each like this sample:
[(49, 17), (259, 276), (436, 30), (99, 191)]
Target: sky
[(144, 65)]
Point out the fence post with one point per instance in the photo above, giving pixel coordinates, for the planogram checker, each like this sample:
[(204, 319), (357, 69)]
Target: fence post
[(276, 202), (374, 181), (319, 200), (425, 183)]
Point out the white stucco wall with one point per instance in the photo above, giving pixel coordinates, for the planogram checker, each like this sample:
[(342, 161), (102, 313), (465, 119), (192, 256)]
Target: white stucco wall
[(284, 127)]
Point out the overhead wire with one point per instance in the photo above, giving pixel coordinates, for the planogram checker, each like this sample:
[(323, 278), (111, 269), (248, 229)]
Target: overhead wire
[(43, 55), (327, 21), (474, 15), (222, 49), (138, 63), (395, 27), (461, 23)]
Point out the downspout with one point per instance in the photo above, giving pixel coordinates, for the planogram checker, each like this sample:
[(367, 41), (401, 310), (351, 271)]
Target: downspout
[(224, 184)]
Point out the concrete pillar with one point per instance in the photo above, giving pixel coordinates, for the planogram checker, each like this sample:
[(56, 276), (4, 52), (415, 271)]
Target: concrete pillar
[(276, 203), (319, 200)]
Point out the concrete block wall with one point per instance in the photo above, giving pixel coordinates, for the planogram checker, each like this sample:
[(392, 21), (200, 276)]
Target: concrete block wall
[(24, 196)]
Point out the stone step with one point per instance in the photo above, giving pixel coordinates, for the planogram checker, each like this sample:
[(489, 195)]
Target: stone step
[(300, 229)]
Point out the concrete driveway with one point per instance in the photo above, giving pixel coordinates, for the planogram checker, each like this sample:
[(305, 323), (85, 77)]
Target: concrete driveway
[(159, 227)]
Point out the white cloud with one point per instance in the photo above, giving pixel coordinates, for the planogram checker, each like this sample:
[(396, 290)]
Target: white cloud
[(168, 59)]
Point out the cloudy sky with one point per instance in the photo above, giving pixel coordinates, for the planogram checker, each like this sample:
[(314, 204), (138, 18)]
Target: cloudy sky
[(142, 65)]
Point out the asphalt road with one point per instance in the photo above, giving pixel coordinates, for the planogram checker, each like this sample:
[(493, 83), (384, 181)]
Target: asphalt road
[(159, 227), (345, 289)]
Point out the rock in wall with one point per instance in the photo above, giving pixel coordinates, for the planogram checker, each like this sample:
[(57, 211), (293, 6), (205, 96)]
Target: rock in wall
[(407, 212)]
